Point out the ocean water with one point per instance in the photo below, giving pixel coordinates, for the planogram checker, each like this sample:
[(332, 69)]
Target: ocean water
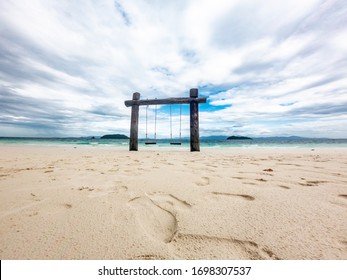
[(254, 143)]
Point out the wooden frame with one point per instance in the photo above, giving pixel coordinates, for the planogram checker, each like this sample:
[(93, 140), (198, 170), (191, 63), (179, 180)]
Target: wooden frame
[(193, 100)]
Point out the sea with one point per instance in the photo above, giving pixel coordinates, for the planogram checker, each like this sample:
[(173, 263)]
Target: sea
[(273, 142)]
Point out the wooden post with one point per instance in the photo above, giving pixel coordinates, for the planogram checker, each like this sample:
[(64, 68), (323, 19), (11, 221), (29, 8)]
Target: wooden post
[(134, 124), (194, 122)]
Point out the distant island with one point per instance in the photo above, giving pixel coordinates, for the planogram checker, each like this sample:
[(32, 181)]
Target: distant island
[(239, 138), (114, 136)]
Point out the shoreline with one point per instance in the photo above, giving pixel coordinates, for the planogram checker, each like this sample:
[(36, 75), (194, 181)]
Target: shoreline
[(185, 146), (164, 143), (233, 203)]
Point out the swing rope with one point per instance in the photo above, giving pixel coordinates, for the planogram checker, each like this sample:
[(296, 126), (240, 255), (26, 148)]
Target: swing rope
[(171, 142), (170, 124), (155, 123), (155, 126), (180, 122), (146, 124)]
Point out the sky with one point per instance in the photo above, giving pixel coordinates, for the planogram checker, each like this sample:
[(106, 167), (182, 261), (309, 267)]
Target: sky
[(266, 67)]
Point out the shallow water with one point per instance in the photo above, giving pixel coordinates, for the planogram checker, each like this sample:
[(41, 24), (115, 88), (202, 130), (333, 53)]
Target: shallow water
[(254, 143)]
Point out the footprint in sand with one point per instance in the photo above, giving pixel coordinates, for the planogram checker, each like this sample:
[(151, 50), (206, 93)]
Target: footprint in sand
[(239, 178), (268, 170), (261, 180), (193, 246), (33, 214), (24, 207), (203, 182), (67, 205), (156, 214), (85, 189), (148, 257), (168, 201), (241, 196), (48, 171), (108, 190), (343, 243), (341, 201), (249, 183), (313, 183), (34, 197), (154, 220)]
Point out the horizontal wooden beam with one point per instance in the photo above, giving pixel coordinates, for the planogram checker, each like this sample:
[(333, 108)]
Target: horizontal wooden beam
[(177, 100)]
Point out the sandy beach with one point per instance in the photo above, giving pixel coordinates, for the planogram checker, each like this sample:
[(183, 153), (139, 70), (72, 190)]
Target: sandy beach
[(107, 203)]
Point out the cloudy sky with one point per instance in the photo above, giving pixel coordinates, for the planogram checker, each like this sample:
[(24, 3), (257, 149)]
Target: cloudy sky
[(267, 67)]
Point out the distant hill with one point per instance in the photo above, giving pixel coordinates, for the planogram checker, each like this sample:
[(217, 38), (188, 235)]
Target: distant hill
[(114, 136), (239, 138), (224, 137), (281, 138), (213, 137)]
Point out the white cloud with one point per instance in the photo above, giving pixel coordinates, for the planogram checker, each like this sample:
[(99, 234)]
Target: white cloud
[(271, 60)]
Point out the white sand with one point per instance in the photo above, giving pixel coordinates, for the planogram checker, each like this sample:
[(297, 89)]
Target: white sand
[(106, 203)]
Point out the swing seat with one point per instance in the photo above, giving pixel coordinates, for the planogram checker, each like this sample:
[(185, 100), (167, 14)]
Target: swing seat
[(175, 143), (150, 142)]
